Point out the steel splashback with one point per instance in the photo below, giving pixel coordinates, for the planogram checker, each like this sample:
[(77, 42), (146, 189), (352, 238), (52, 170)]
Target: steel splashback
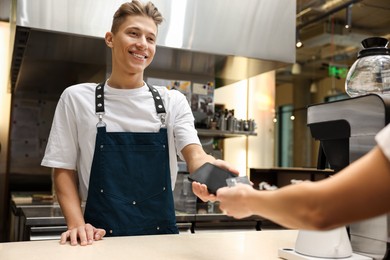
[(58, 42)]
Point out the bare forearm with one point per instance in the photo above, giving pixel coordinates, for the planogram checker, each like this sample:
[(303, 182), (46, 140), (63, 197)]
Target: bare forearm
[(196, 157), (289, 206), (67, 194), (358, 192), (68, 197)]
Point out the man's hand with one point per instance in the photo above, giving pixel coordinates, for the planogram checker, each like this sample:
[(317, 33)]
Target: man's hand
[(225, 165), (201, 190), (86, 234)]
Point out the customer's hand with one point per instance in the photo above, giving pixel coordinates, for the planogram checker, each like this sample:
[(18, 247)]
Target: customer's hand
[(86, 234), (234, 201)]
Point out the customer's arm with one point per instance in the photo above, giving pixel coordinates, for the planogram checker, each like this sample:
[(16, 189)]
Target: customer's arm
[(360, 191), (195, 157), (67, 193)]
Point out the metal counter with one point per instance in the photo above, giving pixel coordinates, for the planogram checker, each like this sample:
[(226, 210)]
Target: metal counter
[(40, 223)]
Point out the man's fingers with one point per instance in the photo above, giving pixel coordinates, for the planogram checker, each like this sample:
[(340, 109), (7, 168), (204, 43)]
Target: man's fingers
[(99, 233), (202, 192), (64, 237), (90, 233), (73, 237), (82, 236)]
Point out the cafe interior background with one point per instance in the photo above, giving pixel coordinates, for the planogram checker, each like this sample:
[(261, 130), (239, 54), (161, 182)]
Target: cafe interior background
[(269, 99)]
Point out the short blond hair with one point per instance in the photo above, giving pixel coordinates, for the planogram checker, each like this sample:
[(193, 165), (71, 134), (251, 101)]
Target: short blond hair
[(135, 8)]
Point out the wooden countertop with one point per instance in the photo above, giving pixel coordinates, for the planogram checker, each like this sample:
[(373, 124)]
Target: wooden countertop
[(224, 245)]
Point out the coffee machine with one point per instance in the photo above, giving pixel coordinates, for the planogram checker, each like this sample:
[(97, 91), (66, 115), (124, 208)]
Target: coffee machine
[(346, 130)]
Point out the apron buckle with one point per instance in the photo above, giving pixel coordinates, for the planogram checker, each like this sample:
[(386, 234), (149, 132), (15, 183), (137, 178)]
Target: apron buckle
[(100, 123), (162, 119)]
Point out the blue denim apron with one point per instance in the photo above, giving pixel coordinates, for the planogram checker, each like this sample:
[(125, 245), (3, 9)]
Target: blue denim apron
[(130, 185)]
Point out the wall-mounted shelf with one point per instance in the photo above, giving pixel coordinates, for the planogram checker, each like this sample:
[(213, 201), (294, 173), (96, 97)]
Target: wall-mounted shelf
[(223, 134), (282, 176)]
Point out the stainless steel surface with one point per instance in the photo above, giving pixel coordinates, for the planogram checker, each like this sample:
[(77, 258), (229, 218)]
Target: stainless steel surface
[(35, 219), (324, 43), (369, 237), (5, 10), (46, 62), (252, 29), (46, 233), (41, 222), (43, 216), (59, 43), (366, 116)]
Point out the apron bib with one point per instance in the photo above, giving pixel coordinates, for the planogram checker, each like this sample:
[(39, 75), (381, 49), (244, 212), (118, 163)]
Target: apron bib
[(130, 189)]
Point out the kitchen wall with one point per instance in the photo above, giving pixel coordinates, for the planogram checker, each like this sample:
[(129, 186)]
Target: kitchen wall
[(251, 99), (5, 107), (300, 95)]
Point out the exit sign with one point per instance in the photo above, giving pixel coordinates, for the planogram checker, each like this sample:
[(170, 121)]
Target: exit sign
[(337, 71)]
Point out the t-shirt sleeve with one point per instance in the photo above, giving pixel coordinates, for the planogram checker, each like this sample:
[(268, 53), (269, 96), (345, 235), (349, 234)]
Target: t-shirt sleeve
[(383, 141), (183, 128), (62, 148)]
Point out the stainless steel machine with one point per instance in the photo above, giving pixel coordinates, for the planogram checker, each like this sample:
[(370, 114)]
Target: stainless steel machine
[(346, 130)]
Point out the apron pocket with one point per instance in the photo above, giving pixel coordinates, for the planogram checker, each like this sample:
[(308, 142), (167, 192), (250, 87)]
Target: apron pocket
[(129, 177)]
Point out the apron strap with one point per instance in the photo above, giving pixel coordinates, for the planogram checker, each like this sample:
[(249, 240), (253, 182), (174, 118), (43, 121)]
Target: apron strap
[(99, 98), (157, 100), (99, 103), (158, 104)]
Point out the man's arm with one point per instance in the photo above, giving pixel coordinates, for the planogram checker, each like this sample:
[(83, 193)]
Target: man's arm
[(67, 193)]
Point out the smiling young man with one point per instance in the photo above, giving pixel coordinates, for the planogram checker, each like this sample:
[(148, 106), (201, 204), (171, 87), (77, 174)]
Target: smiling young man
[(115, 144)]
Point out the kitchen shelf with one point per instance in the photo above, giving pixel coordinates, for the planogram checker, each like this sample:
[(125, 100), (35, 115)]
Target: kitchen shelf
[(282, 176), (219, 133)]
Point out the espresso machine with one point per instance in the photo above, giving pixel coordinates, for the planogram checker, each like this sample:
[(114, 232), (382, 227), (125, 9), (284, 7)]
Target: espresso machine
[(346, 130)]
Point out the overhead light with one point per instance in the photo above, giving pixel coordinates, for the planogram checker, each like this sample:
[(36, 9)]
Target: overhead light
[(313, 87), (348, 17), (296, 69), (298, 42)]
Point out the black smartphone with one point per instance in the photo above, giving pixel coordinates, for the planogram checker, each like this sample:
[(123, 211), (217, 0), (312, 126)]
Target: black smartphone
[(213, 176)]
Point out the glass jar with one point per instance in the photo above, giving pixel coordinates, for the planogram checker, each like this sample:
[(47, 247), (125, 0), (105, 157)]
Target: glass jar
[(370, 73)]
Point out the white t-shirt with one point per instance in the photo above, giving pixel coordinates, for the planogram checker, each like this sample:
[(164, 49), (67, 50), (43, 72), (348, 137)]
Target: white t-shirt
[(383, 140), (73, 134)]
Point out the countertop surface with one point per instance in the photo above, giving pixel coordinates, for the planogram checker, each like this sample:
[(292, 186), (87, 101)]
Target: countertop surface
[(224, 245)]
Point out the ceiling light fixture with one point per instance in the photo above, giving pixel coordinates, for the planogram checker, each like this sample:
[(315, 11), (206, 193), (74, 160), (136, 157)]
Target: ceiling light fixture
[(313, 87), (296, 69), (298, 42), (348, 17)]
